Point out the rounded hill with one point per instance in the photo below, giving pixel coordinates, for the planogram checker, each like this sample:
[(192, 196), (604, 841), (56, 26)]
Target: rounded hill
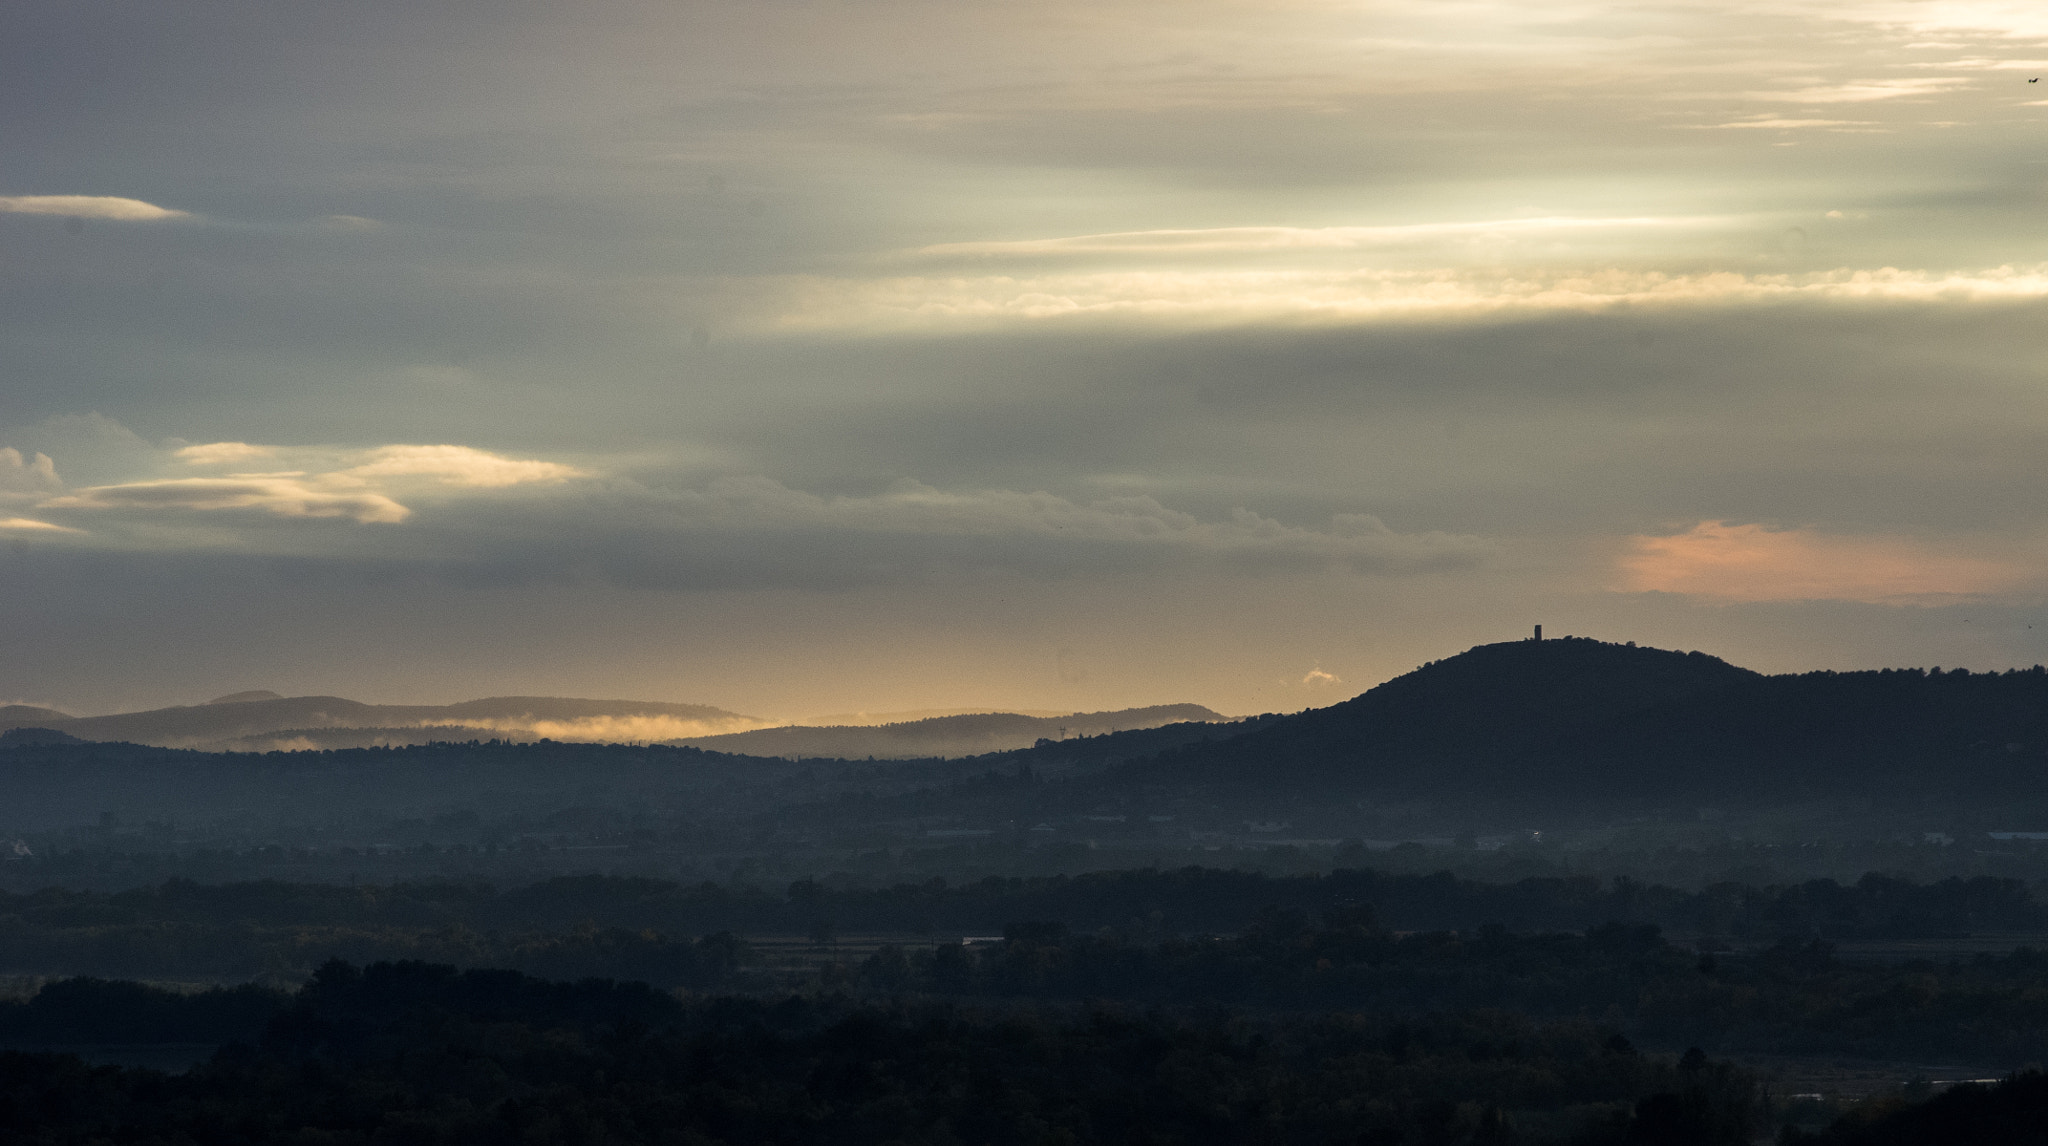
[(1469, 718)]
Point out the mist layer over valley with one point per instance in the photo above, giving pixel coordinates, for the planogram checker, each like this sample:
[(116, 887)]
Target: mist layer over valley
[(263, 721)]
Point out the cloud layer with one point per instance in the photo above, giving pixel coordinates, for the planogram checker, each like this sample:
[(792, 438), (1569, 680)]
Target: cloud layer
[(1063, 354), (1349, 297), (89, 207), (360, 492)]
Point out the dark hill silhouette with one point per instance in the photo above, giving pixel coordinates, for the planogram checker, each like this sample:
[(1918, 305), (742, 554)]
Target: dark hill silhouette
[(23, 715), (245, 697), (1490, 704), (1547, 735), (1906, 732), (1582, 719), (1475, 716)]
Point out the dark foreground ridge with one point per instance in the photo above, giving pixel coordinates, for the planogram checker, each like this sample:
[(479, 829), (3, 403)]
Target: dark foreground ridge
[(417, 1052), (412, 1052)]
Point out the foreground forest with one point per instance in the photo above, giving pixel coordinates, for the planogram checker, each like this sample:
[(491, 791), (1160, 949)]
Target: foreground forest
[(419, 1053), (1196, 1005)]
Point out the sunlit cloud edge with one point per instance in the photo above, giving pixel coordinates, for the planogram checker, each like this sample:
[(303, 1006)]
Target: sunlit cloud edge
[(901, 304)]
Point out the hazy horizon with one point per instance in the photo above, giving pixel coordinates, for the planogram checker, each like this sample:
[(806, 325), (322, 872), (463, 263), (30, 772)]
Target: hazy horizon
[(800, 358), (1340, 690)]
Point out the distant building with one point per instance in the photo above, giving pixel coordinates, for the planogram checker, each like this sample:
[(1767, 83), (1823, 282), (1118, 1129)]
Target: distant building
[(1539, 634)]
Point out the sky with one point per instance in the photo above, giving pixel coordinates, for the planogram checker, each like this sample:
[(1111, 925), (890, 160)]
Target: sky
[(806, 356)]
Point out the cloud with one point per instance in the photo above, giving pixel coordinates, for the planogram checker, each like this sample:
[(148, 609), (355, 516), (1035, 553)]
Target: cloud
[(36, 474), (1176, 297), (1317, 677), (461, 466), (1214, 240), (29, 525), (353, 223), (222, 453), (1721, 562), (89, 207), (1865, 91), (756, 532), (735, 530), (1779, 123), (912, 509), (329, 483), (453, 465), (2011, 19), (290, 495)]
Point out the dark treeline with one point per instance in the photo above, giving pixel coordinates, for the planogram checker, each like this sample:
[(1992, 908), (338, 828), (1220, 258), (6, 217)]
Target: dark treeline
[(58, 786), (1209, 900), (1792, 998), (240, 951), (426, 1054), (1185, 901), (101, 1011), (512, 787), (650, 930)]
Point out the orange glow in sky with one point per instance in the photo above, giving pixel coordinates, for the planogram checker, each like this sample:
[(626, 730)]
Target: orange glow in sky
[(1753, 563)]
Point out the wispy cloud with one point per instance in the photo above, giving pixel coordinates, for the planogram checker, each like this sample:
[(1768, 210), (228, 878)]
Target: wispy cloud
[(460, 465), (354, 485), (1780, 123), (30, 525), (279, 495), (89, 207), (1215, 240), (1865, 91), (1350, 296), (2007, 19), (351, 223), (222, 453), (912, 509)]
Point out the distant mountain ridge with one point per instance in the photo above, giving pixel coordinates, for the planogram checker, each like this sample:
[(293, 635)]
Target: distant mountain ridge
[(950, 736), (1560, 724), (23, 715), (263, 721), (1555, 735), (258, 721)]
